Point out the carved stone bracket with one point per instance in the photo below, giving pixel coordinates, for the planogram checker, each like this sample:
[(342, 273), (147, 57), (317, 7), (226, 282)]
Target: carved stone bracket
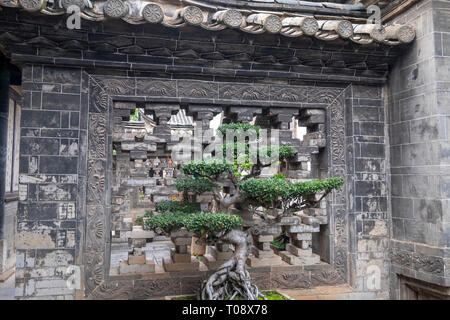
[(243, 114)]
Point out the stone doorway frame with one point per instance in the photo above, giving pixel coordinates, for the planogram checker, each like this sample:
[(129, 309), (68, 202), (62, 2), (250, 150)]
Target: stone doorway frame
[(95, 171)]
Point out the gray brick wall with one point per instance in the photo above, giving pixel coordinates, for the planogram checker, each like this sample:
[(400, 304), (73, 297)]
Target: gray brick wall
[(47, 240), (368, 216), (7, 249), (419, 126)]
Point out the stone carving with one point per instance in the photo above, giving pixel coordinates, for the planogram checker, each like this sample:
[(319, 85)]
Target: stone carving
[(401, 258), (116, 9), (340, 229), (337, 144), (340, 261), (96, 225), (288, 94), (321, 95), (326, 278), (272, 24), (145, 289), (98, 99), (239, 92), (97, 136), (197, 89), (96, 284), (93, 268), (232, 18), (429, 264), (339, 197), (96, 181), (153, 13), (406, 34), (31, 5), (310, 26), (339, 172), (113, 290), (118, 86), (192, 15), (67, 3), (345, 29), (290, 280), (278, 21), (156, 88)]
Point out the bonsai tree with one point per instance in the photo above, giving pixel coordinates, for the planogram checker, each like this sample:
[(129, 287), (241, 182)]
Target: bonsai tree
[(249, 193)]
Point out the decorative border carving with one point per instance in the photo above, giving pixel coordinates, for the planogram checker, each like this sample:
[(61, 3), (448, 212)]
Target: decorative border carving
[(98, 284)]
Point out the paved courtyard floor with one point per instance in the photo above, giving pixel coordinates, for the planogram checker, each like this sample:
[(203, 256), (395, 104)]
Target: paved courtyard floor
[(7, 289)]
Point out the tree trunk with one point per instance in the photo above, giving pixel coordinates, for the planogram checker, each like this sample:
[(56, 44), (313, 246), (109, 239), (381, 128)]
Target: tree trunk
[(232, 278)]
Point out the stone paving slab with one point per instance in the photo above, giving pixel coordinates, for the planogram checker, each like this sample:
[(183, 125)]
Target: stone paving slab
[(7, 289)]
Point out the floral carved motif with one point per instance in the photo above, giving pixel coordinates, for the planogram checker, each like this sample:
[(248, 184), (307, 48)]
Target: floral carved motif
[(98, 99), (340, 224), (321, 95), (193, 15), (197, 89), (96, 181), (327, 277), (239, 92), (153, 13), (31, 5), (156, 88), (113, 290), (340, 261), (114, 86), (97, 136), (116, 8), (284, 93), (429, 264)]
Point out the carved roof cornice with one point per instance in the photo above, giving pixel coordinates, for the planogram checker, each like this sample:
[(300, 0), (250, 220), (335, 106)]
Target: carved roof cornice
[(217, 15)]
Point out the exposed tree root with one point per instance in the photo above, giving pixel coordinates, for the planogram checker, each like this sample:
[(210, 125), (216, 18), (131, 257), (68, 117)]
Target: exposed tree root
[(232, 278)]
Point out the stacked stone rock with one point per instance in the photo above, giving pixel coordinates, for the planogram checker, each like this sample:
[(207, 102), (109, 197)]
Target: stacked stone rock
[(137, 261), (299, 250), (313, 141), (180, 257), (217, 255), (263, 255)]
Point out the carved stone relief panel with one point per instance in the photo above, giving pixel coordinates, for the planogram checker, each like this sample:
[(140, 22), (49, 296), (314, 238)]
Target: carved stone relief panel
[(102, 90)]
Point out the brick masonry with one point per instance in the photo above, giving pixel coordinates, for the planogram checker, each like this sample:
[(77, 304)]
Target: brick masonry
[(64, 208), (419, 123)]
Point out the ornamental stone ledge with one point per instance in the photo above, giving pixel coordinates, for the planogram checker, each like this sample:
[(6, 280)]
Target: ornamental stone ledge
[(212, 16)]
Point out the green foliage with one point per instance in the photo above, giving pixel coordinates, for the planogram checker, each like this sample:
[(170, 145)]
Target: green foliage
[(236, 146), (265, 191), (135, 115), (286, 152), (263, 152), (139, 221), (199, 223), (300, 189), (185, 298), (270, 295), (279, 245), (238, 127), (208, 169), (168, 222), (210, 223), (280, 176), (196, 185), (177, 206), (273, 295)]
